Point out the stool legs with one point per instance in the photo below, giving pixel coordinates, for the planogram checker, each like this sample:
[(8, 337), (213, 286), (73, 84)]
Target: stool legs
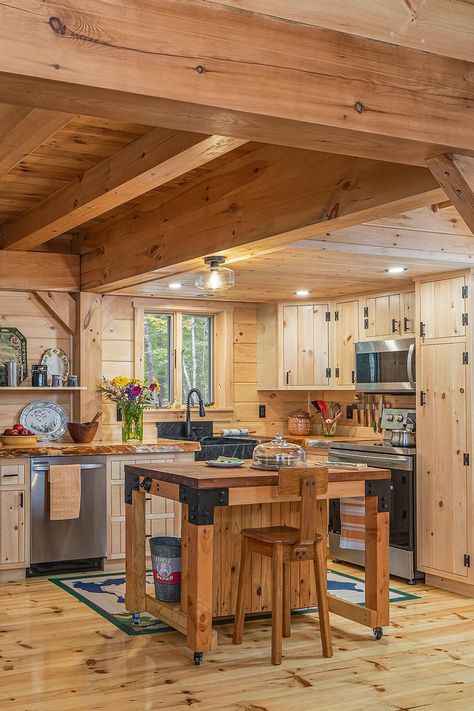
[(245, 557), (277, 603), (286, 599), (320, 573)]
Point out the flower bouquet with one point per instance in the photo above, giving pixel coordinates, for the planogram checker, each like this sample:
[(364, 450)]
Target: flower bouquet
[(132, 396)]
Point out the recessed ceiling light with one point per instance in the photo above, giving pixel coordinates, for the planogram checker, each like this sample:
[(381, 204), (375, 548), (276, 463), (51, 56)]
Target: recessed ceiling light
[(175, 285), (396, 270), (302, 292)]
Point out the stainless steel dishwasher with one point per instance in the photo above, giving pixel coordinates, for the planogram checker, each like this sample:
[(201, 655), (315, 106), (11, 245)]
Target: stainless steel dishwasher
[(72, 544)]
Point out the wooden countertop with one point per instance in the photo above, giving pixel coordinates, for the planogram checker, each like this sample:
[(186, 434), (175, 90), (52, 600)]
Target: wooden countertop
[(200, 476), (71, 449)]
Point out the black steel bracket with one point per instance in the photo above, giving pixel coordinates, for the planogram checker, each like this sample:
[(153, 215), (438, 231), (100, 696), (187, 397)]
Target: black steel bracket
[(202, 502), (382, 489), (132, 482)]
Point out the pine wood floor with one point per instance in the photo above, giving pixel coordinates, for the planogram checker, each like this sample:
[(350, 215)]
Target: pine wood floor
[(57, 654)]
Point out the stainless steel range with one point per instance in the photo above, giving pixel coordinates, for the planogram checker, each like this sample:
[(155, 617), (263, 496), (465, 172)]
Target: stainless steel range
[(401, 461)]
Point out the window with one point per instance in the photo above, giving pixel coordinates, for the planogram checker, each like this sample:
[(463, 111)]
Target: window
[(190, 334)]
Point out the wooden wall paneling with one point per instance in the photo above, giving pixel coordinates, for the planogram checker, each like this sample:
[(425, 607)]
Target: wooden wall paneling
[(88, 356), (234, 85)]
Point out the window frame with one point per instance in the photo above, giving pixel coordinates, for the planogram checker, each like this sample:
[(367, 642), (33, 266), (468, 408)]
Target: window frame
[(222, 344)]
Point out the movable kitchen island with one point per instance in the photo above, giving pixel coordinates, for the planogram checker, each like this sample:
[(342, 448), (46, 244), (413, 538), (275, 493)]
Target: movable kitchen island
[(215, 506)]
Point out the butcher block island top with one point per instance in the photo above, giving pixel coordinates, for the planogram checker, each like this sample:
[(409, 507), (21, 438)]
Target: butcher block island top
[(216, 505), (71, 449)]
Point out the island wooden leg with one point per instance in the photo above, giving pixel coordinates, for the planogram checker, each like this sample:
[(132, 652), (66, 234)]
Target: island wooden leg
[(135, 556), (377, 563), (199, 589)]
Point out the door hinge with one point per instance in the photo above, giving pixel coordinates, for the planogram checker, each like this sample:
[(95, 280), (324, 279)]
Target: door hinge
[(366, 324), (353, 376), (465, 358), (337, 372), (366, 311), (22, 499), (336, 315), (465, 320), (464, 292), (422, 330), (422, 398), (328, 373), (465, 459), (467, 560), (328, 315)]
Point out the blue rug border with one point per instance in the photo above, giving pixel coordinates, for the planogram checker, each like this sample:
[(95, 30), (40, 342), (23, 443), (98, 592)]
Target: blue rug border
[(128, 629)]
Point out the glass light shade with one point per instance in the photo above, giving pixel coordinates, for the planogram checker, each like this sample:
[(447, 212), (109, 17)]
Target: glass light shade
[(216, 278)]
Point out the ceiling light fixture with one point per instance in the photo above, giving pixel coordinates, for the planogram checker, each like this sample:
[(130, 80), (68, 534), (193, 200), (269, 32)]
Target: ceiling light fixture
[(174, 285), (302, 292), (396, 270), (217, 277)]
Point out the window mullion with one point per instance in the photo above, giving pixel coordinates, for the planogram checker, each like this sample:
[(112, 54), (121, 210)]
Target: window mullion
[(178, 349)]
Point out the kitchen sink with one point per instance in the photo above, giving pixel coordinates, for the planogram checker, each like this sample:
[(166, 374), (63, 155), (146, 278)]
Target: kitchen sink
[(212, 446)]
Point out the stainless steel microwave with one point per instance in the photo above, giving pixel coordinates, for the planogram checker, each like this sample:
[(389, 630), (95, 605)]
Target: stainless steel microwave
[(387, 366)]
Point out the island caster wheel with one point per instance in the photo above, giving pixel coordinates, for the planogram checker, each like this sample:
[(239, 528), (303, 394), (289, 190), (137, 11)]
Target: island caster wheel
[(136, 618), (378, 632), (197, 658), (412, 581)]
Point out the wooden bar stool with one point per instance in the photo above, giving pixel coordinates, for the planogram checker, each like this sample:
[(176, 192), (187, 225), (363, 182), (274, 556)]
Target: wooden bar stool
[(285, 545)]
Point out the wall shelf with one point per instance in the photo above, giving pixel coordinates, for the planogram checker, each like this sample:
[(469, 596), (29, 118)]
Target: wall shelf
[(30, 388)]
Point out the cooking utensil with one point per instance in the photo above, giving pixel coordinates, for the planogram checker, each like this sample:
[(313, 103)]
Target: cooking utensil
[(323, 408), (402, 438), (82, 432), (96, 417)]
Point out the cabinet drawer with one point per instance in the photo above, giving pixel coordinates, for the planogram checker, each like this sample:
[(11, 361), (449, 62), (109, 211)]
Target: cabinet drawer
[(12, 474)]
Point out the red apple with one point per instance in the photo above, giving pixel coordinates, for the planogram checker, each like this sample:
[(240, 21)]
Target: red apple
[(8, 432), (14, 432), (18, 428)]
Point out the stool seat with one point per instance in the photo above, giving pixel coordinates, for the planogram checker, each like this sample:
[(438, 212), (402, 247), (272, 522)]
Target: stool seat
[(276, 534)]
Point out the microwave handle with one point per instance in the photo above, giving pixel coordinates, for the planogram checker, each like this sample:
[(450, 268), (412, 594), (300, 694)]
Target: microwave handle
[(411, 353)]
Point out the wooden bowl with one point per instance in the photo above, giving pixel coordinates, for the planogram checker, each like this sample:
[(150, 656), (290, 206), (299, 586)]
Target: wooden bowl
[(82, 432), (18, 440)]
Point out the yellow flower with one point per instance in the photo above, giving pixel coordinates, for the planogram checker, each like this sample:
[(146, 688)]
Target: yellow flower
[(120, 381)]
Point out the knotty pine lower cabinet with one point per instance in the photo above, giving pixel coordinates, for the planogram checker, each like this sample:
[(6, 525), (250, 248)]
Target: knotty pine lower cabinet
[(14, 549), (444, 487), (162, 516)]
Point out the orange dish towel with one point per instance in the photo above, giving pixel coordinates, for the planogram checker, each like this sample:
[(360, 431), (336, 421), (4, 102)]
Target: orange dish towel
[(64, 491), (353, 524)]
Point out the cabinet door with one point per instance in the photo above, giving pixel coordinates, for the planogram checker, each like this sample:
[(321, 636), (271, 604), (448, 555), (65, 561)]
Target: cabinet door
[(408, 313), (442, 306), (383, 316), (12, 528), (442, 475), (305, 345), (346, 335)]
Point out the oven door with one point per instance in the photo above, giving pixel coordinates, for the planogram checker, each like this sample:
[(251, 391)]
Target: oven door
[(402, 500), (385, 366)]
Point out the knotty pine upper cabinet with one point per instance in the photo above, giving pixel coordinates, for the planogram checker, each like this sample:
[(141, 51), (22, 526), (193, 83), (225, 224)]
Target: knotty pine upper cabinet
[(390, 315), (443, 472), (346, 334), (443, 312), (305, 345)]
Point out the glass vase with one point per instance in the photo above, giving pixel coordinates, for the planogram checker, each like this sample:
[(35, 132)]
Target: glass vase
[(132, 424), (329, 428)]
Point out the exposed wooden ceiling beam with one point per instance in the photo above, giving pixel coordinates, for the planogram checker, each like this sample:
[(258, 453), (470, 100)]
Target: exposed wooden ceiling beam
[(268, 198), (22, 130), (218, 70), (39, 271), (456, 175), (144, 164), (443, 27)]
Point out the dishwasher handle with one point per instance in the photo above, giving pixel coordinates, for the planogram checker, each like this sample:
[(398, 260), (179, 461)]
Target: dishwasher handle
[(45, 467), (380, 460)]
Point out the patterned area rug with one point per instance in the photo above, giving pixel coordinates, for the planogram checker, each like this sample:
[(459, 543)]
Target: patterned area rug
[(105, 594)]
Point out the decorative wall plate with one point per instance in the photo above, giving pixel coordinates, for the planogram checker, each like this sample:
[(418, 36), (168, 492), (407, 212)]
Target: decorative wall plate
[(57, 363), (45, 419), (13, 345)]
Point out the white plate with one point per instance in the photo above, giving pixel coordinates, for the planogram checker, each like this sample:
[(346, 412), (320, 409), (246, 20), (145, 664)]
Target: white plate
[(224, 465), (57, 363), (45, 419)]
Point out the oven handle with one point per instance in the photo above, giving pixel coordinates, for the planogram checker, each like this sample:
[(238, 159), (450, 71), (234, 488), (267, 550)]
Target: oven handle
[(45, 467), (411, 353), (381, 460)]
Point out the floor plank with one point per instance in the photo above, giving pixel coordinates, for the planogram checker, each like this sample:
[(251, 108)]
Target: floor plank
[(56, 654)]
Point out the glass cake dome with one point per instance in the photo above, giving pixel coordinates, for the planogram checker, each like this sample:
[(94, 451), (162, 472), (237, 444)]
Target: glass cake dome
[(278, 453)]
